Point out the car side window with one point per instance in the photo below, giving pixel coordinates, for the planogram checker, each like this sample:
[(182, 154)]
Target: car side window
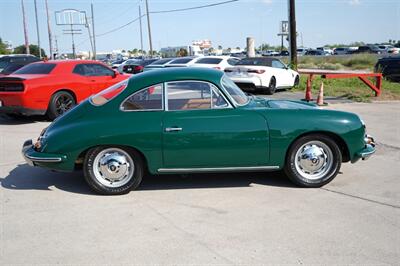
[(150, 98), (218, 101), (100, 70), (277, 64), (79, 69), (189, 95)]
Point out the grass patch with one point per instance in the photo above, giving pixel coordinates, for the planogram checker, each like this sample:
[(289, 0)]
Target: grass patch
[(351, 88)]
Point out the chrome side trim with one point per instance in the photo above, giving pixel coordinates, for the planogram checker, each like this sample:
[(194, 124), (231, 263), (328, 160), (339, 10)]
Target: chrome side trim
[(43, 159), (216, 169)]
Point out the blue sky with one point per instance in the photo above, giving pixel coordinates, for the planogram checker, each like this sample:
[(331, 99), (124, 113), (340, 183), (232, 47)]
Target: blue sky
[(319, 22)]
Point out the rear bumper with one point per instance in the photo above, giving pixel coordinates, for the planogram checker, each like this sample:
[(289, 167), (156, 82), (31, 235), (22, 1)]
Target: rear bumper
[(19, 110), (254, 81), (35, 158)]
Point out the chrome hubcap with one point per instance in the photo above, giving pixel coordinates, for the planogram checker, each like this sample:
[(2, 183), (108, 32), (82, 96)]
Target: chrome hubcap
[(113, 167), (313, 160)]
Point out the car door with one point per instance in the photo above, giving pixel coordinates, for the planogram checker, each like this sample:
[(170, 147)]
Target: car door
[(83, 82), (284, 77), (202, 129), (101, 76)]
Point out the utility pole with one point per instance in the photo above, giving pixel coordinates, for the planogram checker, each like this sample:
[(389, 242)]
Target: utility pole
[(25, 29), (49, 31), (93, 33), (37, 30), (141, 33), (292, 34), (148, 25)]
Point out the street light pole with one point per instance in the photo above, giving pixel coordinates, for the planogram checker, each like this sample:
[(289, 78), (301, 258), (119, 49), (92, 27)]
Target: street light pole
[(148, 26), (49, 31), (27, 51), (141, 33), (93, 33), (292, 34), (37, 30)]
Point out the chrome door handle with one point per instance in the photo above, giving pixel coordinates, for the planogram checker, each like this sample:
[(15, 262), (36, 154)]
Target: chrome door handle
[(172, 129)]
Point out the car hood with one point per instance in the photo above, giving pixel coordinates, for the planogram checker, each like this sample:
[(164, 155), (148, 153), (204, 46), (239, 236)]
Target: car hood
[(259, 102)]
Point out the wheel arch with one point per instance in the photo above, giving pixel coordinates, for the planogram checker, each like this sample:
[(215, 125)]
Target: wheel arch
[(342, 145), (70, 91), (81, 156)]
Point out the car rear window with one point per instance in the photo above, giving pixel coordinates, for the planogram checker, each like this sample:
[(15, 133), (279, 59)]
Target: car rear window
[(161, 62), (107, 95), (181, 61), (41, 68), (254, 62), (211, 61)]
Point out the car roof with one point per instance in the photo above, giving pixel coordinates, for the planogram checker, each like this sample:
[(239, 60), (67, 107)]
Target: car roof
[(174, 74)]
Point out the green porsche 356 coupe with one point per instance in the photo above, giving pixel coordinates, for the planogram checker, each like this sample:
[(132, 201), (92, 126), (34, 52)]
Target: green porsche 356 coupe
[(190, 120)]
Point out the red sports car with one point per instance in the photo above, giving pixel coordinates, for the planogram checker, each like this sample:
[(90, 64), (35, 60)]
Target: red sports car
[(54, 87)]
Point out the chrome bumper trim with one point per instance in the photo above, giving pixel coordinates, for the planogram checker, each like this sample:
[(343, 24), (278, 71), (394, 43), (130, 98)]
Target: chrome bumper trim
[(217, 169)]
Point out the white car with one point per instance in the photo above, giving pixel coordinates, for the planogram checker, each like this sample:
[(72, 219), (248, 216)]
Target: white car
[(263, 74), (182, 61), (217, 62), (326, 50)]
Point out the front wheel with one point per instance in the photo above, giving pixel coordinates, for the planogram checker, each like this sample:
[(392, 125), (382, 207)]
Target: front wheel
[(113, 170), (313, 161)]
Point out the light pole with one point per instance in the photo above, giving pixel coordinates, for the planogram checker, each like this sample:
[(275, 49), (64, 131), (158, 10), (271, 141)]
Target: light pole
[(148, 26)]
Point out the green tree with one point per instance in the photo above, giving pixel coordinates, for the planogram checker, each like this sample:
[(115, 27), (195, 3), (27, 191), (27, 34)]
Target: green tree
[(34, 49), (3, 47), (182, 52)]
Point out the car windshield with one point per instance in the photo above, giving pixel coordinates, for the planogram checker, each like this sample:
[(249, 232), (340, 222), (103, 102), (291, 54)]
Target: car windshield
[(238, 96), (39, 68), (3, 64), (107, 95)]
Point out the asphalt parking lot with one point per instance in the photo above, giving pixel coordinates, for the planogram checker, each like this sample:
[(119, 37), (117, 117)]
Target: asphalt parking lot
[(247, 218)]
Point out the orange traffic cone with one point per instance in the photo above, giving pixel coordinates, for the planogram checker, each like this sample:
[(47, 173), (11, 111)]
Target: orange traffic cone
[(320, 99)]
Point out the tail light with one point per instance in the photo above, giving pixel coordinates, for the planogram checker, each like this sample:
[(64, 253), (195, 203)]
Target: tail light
[(138, 68), (257, 71), (11, 86), (217, 68)]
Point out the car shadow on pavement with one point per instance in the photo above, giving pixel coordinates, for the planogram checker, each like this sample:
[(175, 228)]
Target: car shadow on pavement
[(20, 120), (25, 177)]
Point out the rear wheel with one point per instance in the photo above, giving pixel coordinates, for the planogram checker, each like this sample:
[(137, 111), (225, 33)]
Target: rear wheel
[(113, 170), (60, 103), (313, 161), (271, 87)]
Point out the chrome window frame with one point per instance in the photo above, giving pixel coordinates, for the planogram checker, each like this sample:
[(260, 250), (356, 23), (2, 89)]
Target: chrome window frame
[(166, 106), (146, 110), (236, 104)]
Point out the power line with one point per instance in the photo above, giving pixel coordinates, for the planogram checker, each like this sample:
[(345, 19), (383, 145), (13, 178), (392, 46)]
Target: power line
[(120, 27), (191, 8)]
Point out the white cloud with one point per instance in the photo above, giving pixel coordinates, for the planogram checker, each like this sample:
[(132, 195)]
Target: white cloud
[(355, 2)]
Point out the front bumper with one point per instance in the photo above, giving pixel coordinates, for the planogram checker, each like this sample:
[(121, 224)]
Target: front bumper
[(368, 150), (34, 158)]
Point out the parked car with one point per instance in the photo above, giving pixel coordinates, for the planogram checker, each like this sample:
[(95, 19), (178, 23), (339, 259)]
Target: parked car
[(160, 63), (136, 66), (54, 87), (182, 61), (370, 49), (315, 53), (341, 51), (115, 64), (302, 51), (217, 62), (388, 49), (325, 50), (195, 120), (284, 53), (389, 67), (11, 63), (264, 74)]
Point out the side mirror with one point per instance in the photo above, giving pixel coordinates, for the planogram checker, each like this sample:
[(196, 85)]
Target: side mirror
[(115, 74)]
